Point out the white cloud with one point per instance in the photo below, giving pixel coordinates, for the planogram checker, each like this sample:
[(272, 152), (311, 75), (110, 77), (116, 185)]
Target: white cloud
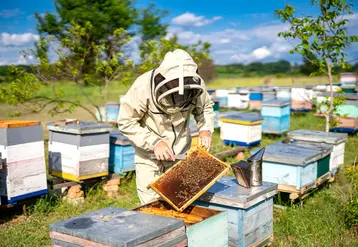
[(8, 13), (8, 39), (192, 20)]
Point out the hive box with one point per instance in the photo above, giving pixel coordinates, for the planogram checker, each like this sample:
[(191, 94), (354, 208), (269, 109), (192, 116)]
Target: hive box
[(276, 115), (22, 162), (346, 124), (301, 93), (337, 140), (121, 153), (250, 211), (241, 129), (283, 93), (211, 231), (291, 165), (238, 100), (349, 108), (347, 78), (301, 106), (255, 100), (79, 151), (118, 227)]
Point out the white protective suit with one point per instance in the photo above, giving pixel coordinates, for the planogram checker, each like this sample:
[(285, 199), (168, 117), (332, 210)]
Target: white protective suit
[(153, 110)]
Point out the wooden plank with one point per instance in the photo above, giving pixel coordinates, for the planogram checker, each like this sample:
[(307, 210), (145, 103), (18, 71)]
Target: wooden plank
[(17, 123), (75, 240)]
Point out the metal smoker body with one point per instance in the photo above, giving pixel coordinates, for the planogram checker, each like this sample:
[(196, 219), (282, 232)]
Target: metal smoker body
[(255, 162)]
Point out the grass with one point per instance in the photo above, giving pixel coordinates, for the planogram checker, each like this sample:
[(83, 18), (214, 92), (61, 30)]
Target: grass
[(318, 223)]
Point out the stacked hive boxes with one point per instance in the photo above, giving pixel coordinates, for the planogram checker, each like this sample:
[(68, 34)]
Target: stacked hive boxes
[(292, 166), (121, 154), (337, 140), (78, 151), (301, 99), (255, 100), (238, 100), (276, 115), (22, 163), (241, 129), (268, 93), (250, 211)]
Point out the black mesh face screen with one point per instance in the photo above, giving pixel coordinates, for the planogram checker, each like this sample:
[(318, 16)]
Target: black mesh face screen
[(175, 99)]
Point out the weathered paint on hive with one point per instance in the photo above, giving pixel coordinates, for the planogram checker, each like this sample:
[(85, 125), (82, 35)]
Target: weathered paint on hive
[(118, 227), (23, 172), (250, 211)]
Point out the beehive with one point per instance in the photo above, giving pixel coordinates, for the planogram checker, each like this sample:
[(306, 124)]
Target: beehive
[(112, 227), (109, 112), (238, 100), (22, 162), (348, 77), (291, 165), (268, 94), (79, 151), (204, 227), (346, 125), (276, 115), (283, 93), (348, 88), (184, 182), (216, 111), (255, 100), (250, 211), (337, 140), (121, 153), (241, 129), (349, 108), (212, 93), (301, 106)]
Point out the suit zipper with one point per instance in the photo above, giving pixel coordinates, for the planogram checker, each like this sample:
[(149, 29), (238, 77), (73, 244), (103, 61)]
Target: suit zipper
[(175, 138)]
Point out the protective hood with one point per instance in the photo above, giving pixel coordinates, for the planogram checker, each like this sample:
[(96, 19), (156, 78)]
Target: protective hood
[(176, 82)]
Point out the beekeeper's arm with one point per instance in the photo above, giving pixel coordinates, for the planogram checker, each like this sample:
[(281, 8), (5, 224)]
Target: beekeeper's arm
[(204, 117), (132, 109)]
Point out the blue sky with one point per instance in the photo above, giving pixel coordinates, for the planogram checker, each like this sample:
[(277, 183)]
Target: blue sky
[(240, 31)]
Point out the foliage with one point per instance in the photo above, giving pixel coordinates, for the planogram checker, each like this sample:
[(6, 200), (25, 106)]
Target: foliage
[(106, 17), (309, 68), (256, 68), (351, 207), (109, 61), (324, 37), (153, 52)]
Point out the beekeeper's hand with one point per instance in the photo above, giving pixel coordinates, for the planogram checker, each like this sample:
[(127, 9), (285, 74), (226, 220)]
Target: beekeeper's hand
[(205, 139), (163, 152)]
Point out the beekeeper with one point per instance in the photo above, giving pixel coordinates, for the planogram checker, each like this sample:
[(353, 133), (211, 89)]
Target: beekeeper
[(154, 115)]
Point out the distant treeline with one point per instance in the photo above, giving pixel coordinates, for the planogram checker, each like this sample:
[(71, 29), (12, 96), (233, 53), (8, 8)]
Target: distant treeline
[(281, 67)]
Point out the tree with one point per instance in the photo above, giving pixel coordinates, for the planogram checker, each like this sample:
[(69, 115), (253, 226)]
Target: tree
[(27, 88), (105, 16), (324, 35)]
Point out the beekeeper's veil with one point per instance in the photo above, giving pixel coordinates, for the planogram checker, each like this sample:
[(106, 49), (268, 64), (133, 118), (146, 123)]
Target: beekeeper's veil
[(176, 83)]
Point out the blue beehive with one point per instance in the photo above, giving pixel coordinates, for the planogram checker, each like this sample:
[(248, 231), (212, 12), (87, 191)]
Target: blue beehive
[(121, 155), (118, 227), (276, 115), (291, 166), (256, 95), (250, 211), (241, 129)]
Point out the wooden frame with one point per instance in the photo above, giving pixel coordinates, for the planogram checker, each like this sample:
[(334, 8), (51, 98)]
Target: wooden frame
[(152, 185)]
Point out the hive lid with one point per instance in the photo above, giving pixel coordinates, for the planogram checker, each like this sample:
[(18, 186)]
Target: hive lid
[(291, 154), (324, 148), (318, 136), (228, 192), (183, 183), (83, 127), (4, 124), (242, 118), (276, 102), (116, 227), (118, 138)]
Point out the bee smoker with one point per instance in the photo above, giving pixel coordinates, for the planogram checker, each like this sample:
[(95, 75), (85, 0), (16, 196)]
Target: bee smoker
[(255, 162)]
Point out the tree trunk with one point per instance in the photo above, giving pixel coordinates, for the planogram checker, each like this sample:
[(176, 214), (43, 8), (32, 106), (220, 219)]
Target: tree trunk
[(331, 108)]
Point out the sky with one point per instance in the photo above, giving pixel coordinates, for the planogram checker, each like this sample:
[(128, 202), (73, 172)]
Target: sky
[(240, 31)]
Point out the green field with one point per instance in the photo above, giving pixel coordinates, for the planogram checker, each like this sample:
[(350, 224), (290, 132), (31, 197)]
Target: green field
[(319, 223)]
